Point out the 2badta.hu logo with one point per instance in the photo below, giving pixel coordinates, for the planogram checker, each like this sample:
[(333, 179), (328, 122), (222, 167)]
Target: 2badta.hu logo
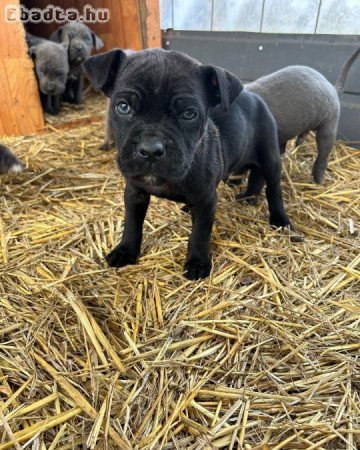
[(52, 13)]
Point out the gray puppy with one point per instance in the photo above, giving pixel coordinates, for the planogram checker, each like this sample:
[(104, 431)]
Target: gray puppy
[(302, 100), (51, 69), (81, 41), (8, 161)]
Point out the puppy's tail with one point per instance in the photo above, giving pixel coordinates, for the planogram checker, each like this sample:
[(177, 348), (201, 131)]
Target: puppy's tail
[(340, 83)]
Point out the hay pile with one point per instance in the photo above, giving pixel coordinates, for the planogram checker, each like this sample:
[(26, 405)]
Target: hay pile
[(262, 355), (92, 110)]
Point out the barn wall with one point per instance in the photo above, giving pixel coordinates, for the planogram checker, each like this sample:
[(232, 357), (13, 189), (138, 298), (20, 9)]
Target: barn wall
[(122, 30), (133, 24), (263, 16), (252, 55), (255, 37)]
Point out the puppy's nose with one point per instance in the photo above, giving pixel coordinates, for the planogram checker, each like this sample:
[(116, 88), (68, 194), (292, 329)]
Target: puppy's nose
[(151, 148), (50, 87)]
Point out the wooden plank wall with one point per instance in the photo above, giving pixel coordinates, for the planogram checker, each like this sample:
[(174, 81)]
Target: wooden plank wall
[(20, 109), (122, 30)]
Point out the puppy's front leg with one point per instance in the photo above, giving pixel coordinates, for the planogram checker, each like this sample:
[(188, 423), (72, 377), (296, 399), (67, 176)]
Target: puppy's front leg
[(47, 104), (55, 104), (272, 174), (128, 250), (198, 263), (78, 88)]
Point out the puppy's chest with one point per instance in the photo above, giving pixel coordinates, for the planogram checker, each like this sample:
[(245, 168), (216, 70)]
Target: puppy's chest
[(74, 72), (165, 190)]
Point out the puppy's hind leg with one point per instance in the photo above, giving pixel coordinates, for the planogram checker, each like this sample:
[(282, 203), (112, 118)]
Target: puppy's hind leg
[(108, 141), (109, 136), (270, 166), (301, 138), (198, 263), (55, 101), (325, 140), (78, 89), (255, 185)]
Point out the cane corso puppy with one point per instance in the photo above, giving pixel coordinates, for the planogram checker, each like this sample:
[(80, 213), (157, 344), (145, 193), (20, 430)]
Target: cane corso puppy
[(181, 128), (51, 69), (8, 161), (81, 42), (301, 100)]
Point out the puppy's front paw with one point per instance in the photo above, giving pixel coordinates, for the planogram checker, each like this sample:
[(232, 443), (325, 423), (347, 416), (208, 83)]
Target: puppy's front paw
[(120, 257), (247, 198), (197, 268), (279, 219)]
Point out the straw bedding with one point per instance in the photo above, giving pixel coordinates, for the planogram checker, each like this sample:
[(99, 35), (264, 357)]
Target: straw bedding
[(262, 355)]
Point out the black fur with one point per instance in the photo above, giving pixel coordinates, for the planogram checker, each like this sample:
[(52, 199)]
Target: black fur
[(8, 161), (169, 152)]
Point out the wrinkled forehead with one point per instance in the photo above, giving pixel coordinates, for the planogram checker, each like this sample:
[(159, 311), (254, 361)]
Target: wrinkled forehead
[(78, 31), (164, 74), (52, 56)]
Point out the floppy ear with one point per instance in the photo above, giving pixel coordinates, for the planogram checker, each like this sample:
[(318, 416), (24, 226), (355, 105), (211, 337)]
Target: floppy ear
[(57, 35), (65, 44), (103, 69), (97, 42), (222, 86)]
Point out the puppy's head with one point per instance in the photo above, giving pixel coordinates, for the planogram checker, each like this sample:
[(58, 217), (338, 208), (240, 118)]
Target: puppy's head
[(51, 66), (81, 41), (159, 108)]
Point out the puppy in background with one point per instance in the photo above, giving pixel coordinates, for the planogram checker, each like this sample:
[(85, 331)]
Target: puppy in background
[(301, 100), (180, 128), (51, 69), (81, 41), (9, 162)]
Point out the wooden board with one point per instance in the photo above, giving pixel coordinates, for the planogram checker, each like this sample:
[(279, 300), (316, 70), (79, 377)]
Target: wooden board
[(132, 24), (151, 24), (20, 108), (122, 30)]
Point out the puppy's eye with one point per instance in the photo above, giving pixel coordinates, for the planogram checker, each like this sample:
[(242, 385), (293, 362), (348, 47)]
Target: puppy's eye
[(122, 108), (189, 114)]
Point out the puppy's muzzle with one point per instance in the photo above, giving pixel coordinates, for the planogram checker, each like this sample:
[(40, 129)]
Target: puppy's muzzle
[(51, 88), (151, 149), (78, 52)]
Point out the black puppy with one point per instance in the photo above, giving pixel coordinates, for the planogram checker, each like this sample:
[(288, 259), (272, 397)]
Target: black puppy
[(174, 145)]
